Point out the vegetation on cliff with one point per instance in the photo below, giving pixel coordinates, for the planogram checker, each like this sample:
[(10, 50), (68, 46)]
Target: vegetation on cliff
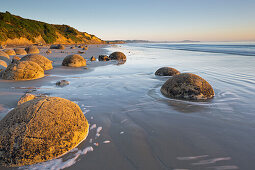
[(12, 27)]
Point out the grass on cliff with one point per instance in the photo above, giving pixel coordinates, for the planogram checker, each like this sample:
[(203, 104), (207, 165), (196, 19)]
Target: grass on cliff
[(12, 26)]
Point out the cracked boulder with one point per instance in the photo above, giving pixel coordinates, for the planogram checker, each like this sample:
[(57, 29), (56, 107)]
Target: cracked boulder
[(39, 130), (42, 61), (23, 70), (166, 71), (74, 60), (187, 86)]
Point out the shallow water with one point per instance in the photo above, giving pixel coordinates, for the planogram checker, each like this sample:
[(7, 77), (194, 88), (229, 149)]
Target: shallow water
[(134, 127)]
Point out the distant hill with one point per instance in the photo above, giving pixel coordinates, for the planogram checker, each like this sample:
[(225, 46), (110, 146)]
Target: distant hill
[(15, 30)]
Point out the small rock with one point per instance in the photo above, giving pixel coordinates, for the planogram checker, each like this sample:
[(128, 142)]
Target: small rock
[(103, 58), (93, 58)]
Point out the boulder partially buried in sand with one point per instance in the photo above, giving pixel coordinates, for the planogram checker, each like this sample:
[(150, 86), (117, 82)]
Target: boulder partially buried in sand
[(42, 61), (74, 60), (166, 71), (23, 70), (10, 52), (39, 130), (187, 86), (20, 51), (117, 56), (32, 50)]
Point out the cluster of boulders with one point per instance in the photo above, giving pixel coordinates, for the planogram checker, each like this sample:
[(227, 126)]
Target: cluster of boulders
[(29, 67), (186, 86)]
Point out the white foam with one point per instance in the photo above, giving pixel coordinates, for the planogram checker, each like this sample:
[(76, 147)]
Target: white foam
[(211, 161), (191, 157), (58, 164), (226, 167), (93, 126)]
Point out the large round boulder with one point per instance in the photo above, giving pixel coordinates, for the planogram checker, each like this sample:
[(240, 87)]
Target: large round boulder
[(58, 46), (10, 52), (4, 56), (187, 86), (23, 70), (166, 71), (117, 56), (74, 60), (20, 51), (32, 50), (40, 130), (42, 61)]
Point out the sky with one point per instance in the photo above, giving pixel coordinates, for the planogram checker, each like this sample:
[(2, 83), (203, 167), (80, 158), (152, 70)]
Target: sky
[(156, 20)]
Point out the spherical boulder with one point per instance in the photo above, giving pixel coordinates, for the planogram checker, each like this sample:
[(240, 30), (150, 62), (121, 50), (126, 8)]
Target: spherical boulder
[(20, 51), (32, 50), (74, 60), (23, 70), (10, 52), (187, 86), (117, 56), (39, 130), (93, 58), (166, 71), (4, 56), (58, 46), (42, 61), (103, 58)]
